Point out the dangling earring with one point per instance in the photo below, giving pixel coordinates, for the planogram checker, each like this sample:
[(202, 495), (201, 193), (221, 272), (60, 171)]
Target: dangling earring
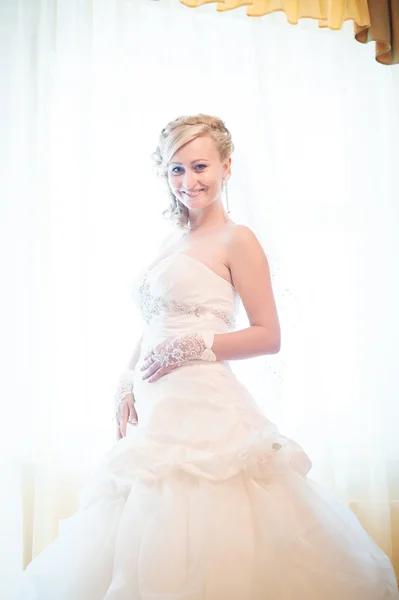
[(226, 195)]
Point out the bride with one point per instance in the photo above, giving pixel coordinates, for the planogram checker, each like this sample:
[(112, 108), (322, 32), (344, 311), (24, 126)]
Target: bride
[(201, 497)]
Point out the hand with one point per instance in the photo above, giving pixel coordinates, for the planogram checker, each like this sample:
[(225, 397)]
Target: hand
[(125, 413), (174, 352)]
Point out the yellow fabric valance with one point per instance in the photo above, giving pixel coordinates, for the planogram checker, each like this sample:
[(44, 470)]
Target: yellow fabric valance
[(374, 20), (330, 13)]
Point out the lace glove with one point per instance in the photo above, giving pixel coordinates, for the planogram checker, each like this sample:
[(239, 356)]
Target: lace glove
[(125, 412), (125, 387), (173, 353)]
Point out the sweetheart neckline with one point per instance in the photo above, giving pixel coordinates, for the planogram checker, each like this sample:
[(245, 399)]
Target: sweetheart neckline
[(195, 260)]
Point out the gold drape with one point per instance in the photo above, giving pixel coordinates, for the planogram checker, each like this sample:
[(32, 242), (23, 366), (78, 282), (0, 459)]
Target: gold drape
[(384, 30), (374, 20), (329, 13)]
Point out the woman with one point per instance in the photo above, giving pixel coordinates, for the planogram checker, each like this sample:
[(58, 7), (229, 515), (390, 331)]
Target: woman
[(202, 498)]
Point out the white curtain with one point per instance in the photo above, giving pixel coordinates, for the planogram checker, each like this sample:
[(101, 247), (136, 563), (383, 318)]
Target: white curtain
[(86, 87)]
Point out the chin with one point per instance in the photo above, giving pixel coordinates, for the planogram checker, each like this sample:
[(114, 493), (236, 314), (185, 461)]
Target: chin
[(199, 202)]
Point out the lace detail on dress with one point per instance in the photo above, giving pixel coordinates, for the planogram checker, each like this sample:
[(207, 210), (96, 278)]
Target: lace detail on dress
[(151, 305)]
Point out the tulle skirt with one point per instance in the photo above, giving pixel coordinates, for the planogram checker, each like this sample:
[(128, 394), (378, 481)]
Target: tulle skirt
[(206, 500)]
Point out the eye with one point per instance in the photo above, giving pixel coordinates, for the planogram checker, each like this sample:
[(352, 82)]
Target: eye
[(200, 166), (176, 172)]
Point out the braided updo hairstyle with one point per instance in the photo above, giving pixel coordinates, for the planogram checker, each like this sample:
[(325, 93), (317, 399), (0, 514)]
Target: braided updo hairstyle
[(172, 137)]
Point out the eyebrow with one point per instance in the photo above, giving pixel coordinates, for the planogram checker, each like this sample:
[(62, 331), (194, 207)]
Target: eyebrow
[(192, 162)]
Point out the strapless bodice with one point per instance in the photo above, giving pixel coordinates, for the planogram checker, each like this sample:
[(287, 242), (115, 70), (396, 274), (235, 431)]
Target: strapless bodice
[(182, 294)]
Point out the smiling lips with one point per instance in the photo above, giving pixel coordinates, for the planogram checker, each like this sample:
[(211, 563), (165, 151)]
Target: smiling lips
[(193, 194)]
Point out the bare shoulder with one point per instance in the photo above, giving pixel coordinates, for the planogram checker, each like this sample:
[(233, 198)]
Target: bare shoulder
[(247, 260), (250, 275), (243, 240)]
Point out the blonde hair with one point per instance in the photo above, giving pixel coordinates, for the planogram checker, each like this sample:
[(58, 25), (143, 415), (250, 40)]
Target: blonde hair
[(172, 137)]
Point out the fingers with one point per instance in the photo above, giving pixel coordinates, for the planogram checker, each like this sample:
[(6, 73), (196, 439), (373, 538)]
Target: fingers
[(151, 369), (149, 357), (147, 361), (156, 374), (155, 371), (133, 420), (160, 372), (126, 414), (124, 418)]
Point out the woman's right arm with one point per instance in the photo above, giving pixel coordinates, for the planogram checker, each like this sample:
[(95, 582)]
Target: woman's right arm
[(125, 409), (136, 355)]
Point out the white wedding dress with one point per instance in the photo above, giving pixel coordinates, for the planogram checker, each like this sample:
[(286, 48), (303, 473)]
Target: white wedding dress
[(204, 499)]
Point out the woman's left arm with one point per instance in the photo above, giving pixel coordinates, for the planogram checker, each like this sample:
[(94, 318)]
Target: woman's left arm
[(250, 273), (251, 277)]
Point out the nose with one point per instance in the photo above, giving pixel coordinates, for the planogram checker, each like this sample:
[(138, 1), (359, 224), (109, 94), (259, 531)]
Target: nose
[(189, 180)]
